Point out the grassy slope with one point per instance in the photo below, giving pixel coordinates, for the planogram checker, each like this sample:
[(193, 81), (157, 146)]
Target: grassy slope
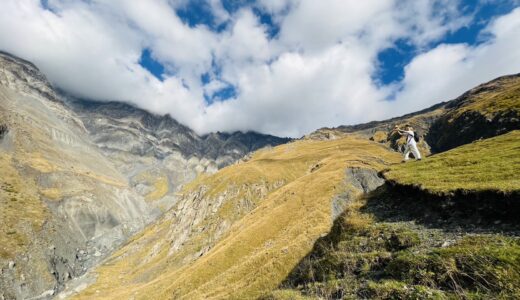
[(366, 257), (17, 195), (491, 164), (262, 246), (375, 251), (499, 96)]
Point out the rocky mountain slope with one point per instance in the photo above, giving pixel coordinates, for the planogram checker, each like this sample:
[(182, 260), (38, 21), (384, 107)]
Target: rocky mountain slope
[(158, 154), (249, 228), (431, 232), (78, 178), (485, 111), (332, 215), (261, 215)]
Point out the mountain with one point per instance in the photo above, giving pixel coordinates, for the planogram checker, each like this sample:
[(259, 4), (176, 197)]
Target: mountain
[(158, 154), (78, 178), (444, 228), (485, 111), (106, 201), (335, 215)]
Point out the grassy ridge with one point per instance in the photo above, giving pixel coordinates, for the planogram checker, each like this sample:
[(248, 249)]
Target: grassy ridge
[(262, 245), (493, 97), (491, 164), (388, 245)]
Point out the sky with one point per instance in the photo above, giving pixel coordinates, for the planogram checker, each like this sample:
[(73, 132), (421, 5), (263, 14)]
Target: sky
[(281, 67)]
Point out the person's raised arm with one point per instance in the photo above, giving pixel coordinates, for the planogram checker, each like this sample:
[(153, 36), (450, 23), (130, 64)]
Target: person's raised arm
[(401, 132)]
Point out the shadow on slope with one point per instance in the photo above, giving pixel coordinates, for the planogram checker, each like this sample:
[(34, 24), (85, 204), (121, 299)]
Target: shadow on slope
[(397, 243)]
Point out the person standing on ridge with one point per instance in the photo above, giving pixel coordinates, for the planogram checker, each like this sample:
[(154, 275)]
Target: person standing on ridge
[(411, 142)]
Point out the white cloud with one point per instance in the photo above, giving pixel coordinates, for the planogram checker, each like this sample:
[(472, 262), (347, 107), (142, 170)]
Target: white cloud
[(318, 71), (449, 70)]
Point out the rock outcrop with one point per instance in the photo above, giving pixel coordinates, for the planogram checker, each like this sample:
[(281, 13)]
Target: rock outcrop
[(485, 111), (79, 177), (488, 110)]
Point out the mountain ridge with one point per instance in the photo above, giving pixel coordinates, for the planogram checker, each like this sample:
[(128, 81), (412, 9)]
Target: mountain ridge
[(266, 229), (175, 215), (73, 191)]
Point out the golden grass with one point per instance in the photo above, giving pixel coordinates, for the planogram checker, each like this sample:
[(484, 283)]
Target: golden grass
[(380, 136), (51, 193), (261, 246), (504, 98), (39, 163), (22, 212), (491, 164), (161, 188)]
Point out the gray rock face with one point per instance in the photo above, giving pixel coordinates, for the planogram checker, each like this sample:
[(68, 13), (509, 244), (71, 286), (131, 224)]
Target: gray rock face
[(118, 126), (99, 171), (458, 127), (84, 201), (157, 150), (362, 181)]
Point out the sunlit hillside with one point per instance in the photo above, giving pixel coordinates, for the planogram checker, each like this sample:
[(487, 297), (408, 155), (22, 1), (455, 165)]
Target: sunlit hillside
[(262, 217), (443, 228)]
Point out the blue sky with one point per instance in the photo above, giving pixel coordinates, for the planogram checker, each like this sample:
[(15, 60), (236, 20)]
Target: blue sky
[(391, 61), (283, 67)]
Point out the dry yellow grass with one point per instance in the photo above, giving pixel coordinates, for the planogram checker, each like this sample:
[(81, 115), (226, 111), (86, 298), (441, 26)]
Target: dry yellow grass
[(22, 212), (380, 136), (261, 246), (160, 190), (502, 96)]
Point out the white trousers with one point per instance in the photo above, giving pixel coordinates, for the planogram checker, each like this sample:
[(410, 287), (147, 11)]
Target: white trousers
[(411, 148)]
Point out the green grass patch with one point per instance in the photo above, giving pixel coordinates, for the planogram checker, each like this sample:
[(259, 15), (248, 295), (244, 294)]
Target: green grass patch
[(284, 295), (367, 258), (392, 289), (491, 164), (487, 265)]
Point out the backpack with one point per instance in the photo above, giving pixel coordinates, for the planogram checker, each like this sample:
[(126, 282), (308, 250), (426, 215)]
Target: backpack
[(416, 136)]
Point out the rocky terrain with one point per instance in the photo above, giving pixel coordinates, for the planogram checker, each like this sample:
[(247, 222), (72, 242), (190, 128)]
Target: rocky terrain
[(158, 154), (275, 213), (485, 111), (78, 178), (106, 201)]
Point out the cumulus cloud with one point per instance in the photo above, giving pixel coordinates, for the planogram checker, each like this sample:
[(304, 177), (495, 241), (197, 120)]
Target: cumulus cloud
[(318, 70), (449, 70)]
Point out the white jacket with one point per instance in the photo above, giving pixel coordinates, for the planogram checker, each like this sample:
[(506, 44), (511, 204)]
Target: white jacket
[(410, 137)]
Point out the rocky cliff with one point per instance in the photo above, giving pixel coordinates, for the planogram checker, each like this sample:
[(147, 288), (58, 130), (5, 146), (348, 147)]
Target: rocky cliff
[(64, 204), (78, 178)]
